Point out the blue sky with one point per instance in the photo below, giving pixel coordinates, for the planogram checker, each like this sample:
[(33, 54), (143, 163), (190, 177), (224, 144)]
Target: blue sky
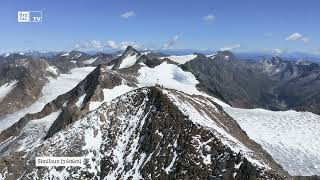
[(255, 25)]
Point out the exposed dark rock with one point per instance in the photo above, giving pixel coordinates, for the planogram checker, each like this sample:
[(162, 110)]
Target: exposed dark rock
[(30, 76), (273, 84)]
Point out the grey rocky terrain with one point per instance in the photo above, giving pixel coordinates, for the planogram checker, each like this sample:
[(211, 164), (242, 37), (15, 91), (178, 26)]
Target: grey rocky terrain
[(273, 84)]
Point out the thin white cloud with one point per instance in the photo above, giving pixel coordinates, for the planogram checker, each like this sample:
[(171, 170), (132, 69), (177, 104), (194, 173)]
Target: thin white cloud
[(276, 51), (297, 37), (316, 51), (171, 42), (305, 39), (229, 48), (122, 45), (209, 18), (125, 44), (112, 44), (294, 37), (128, 14), (93, 44), (96, 44)]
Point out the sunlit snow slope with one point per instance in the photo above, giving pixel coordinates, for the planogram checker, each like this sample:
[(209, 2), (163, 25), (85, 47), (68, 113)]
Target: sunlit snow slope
[(6, 88), (55, 87), (292, 138), (182, 59)]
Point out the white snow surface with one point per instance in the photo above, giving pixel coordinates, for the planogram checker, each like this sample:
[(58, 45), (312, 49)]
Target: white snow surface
[(33, 133), (182, 59), (90, 61), (53, 70), (66, 54), (292, 138), (55, 87), (170, 76), (6, 88), (211, 55), (129, 61), (76, 56), (80, 101), (110, 94)]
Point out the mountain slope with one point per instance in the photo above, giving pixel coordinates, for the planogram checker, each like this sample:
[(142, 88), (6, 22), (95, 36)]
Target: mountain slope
[(22, 82), (292, 138), (49, 92), (149, 137), (272, 84)]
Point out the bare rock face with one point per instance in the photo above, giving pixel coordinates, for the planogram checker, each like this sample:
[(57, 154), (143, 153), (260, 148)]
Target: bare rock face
[(273, 84), (148, 134), (29, 76)]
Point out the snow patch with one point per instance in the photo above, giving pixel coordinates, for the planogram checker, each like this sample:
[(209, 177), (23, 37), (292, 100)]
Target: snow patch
[(110, 94), (182, 59), (90, 61), (129, 61), (80, 101), (211, 56), (54, 174), (66, 54), (6, 88), (77, 56), (171, 76), (53, 70)]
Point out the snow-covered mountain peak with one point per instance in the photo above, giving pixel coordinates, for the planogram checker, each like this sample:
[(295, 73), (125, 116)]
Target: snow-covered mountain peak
[(127, 59), (130, 52), (156, 133)]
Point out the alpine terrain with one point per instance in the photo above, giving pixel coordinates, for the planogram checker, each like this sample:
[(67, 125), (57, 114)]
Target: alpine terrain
[(147, 115)]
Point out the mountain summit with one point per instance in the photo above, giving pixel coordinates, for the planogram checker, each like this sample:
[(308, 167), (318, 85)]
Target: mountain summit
[(155, 134)]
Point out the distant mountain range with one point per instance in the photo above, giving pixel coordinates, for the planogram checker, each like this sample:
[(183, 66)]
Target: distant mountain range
[(254, 55)]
